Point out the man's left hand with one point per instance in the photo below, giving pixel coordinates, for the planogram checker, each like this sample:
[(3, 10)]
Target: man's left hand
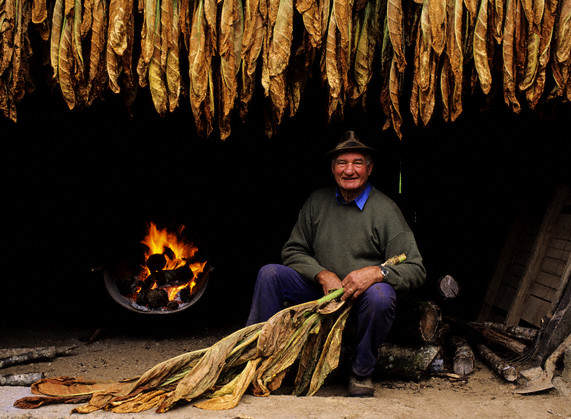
[(358, 281)]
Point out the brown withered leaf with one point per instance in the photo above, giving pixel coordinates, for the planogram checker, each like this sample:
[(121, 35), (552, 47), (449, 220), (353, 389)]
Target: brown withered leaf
[(427, 98), (65, 64), (87, 17), (329, 358), (498, 19), (532, 60), (563, 37), (282, 36), (311, 15), (508, 57), (331, 66), (533, 94), (394, 92), (395, 26), (76, 42), (198, 61), (8, 27), (472, 7), (445, 75), (165, 31), (141, 402), (456, 59), (426, 51), (205, 373), (437, 17), (184, 21), (33, 402), (284, 356), (310, 355), (527, 7), (118, 11), (39, 11), (229, 396), (210, 16), (342, 12), (173, 61), (69, 5), (520, 38), (480, 48), (148, 32), (413, 103), (98, 41)]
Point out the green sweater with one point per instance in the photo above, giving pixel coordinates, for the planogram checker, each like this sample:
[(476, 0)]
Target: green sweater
[(342, 238)]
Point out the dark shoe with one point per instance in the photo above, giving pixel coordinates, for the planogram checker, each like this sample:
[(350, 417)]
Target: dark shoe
[(361, 387)]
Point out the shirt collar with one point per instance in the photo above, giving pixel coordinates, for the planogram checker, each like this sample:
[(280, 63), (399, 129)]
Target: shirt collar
[(359, 201)]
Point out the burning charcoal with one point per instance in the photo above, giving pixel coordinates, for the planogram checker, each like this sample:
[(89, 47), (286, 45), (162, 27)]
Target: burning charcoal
[(167, 251), (142, 298), (156, 262), (184, 294), (157, 298), (158, 278), (172, 305), (182, 274)]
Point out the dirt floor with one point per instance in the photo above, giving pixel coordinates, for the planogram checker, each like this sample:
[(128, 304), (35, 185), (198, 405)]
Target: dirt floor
[(116, 355)]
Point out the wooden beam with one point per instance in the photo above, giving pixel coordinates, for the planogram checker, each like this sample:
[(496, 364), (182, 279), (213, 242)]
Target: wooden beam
[(538, 253)]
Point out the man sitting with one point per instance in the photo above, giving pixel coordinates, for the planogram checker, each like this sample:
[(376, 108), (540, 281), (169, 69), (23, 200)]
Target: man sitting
[(342, 236)]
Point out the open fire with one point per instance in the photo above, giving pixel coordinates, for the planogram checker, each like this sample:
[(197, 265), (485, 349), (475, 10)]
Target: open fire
[(171, 274)]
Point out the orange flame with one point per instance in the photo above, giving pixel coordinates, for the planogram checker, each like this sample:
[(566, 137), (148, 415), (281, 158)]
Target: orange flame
[(157, 241)]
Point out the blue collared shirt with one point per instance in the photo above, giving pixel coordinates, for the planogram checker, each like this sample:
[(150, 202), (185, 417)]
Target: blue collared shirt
[(359, 201)]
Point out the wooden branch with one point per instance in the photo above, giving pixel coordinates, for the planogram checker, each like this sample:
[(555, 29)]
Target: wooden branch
[(463, 362), (36, 354), (498, 338), (498, 365), (528, 334), (20, 379), (406, 362)]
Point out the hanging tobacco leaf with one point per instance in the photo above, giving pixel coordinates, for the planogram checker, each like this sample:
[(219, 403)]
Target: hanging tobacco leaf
[(563, 37), (437, 17), (39, 11), (480, 48), (508, 57), (395, 26)]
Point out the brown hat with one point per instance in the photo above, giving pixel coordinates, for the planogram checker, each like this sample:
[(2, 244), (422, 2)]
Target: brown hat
[(349, 143)]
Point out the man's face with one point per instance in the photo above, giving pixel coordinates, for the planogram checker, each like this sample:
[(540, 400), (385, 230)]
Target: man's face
[(351, 171)]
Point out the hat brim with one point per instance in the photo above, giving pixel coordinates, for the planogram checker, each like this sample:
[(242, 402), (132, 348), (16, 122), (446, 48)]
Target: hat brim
[(351, 149)]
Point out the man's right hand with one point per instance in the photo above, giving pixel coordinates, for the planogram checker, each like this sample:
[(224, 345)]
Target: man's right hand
[(328, 281)]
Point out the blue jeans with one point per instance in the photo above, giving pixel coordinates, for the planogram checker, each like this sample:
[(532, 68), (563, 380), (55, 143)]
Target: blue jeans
[(374, 310)]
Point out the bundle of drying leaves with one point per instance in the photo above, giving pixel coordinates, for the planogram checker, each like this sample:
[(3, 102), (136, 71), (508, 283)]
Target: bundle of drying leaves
[(432, 48), (217, 377)]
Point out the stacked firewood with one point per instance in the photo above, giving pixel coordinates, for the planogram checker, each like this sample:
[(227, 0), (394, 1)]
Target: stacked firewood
[(425, 342), (423, 53)]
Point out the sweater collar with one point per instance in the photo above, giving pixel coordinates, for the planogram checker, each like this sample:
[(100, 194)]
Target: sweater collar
[(359, 201)]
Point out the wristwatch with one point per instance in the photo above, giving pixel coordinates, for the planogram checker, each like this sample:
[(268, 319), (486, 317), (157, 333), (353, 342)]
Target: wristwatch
[(385, 272)]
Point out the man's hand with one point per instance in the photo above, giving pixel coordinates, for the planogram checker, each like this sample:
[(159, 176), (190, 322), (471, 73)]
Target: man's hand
[(357, 282), (328, 281)]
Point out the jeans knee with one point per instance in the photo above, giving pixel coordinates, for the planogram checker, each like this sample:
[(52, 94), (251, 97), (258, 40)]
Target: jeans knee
[(268, 273), (381, 298)]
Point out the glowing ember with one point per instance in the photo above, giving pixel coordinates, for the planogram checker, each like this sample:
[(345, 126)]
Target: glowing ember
[(170, 261)]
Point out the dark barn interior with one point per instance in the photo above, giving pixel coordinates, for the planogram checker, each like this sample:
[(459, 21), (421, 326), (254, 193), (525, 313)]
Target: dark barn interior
[(79, 183)]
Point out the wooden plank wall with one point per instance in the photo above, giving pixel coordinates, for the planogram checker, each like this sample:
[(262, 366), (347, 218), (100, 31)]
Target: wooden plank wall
[(533, 268)]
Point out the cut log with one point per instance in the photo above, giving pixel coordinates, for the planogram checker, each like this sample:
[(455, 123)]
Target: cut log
[(20, 379), (416, 322), (499, 338), (448, 287), (497, 364), (463, 361), (527, 334), (36, 354), (406, 362)]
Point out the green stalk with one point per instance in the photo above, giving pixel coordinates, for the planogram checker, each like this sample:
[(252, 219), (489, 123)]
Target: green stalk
[(331, 296)]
